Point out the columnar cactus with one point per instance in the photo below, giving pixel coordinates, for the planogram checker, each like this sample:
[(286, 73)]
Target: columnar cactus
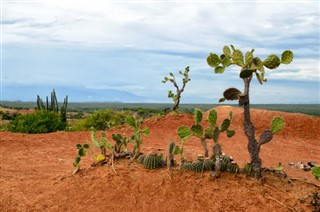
[(176, 97), (54, 107), (250, 66)]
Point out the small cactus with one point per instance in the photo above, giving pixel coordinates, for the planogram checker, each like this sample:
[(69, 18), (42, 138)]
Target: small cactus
[(152, 161), (208, 165), (186, 166), (141, 158), (224, 163), (233, 167), (248, 169)]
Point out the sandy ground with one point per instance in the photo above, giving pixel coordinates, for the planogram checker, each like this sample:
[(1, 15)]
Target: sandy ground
[(35, 171)]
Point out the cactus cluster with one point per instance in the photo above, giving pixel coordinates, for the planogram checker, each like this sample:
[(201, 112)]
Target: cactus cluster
[(53, 106), (199, 165)]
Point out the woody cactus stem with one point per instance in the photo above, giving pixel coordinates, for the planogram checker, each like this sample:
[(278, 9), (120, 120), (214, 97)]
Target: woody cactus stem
[(176, 97), (249, 130)]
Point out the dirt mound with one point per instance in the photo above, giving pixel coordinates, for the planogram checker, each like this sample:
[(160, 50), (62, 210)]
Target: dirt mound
[(35, 170)]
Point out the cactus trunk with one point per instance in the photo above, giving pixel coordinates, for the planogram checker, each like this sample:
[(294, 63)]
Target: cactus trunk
[(205, 147), (249, 130)]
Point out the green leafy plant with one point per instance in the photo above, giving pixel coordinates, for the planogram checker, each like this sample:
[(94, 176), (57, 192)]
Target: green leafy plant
[(250, 66), (136, 138), (177, 96), (40, 121), (82, 150), (316, 172), (278, 167)]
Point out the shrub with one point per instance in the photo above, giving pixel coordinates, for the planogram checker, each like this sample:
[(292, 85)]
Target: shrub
[(100, 120), (38, 122)]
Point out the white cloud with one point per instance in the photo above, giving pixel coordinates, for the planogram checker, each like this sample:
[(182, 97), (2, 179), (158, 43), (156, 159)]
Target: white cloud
[(143, 41)]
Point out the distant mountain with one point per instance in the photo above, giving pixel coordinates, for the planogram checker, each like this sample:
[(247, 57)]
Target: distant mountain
[(75, 94)]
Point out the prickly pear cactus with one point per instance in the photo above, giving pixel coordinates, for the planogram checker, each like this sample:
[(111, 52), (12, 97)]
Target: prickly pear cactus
[(232, 94), (141, 158), (152, 161)]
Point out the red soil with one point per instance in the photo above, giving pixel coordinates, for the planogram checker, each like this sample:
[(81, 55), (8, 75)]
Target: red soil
[(35, 171)]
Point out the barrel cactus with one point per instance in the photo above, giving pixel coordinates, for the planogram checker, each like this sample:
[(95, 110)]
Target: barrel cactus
[(208, 165), (233, 167), (152, 161)]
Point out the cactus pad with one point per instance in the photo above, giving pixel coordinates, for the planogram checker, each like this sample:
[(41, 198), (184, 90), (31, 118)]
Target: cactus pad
[(286, 57), (213, 60), (277, 124), (225, 125), (152, 161), (245, 73), (232, 94), (272, 61), (237, 58), (265, 137)]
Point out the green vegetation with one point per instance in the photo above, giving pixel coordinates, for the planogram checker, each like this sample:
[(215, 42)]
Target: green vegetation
[(250, 66), (316, 172), (136, 139), (38, 122), (82, 150), (177, 96), (100, 120)]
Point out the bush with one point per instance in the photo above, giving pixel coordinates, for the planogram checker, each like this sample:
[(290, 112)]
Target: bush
[(100, 120), (40, 121)]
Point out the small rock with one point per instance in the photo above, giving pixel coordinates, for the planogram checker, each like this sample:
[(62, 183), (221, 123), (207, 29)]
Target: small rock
[(300, 166), (312, 164), (307, 168), (291, 164)]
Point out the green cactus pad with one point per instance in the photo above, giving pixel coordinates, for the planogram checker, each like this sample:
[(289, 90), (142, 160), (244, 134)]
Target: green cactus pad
[(277, 124), (237, 58), (197, 116), (225, 125), (232, 94), (230, 133), (248, 58), (213, 60), (272, 61), (227, 51), (197, 130), (219, 69), (141, 158), (286, 57), (212, 118), (152, 161), (245, 73)]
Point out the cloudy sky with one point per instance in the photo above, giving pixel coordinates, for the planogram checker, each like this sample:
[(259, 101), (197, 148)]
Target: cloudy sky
[(101, 50)]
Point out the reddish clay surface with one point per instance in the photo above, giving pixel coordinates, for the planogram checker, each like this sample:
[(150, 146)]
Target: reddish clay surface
[(35, 171)]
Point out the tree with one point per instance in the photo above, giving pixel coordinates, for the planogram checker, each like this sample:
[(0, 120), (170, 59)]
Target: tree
[(250, 66), (176, 97)]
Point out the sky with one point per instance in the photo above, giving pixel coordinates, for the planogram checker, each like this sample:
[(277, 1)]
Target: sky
[(101, 50)]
